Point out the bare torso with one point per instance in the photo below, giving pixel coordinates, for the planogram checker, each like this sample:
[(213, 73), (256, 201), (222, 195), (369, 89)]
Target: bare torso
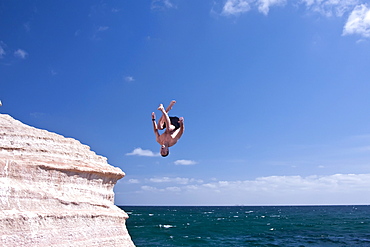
[(169, 138)]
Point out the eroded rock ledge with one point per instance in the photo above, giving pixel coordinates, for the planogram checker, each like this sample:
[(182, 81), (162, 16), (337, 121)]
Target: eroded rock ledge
[(55, 191)]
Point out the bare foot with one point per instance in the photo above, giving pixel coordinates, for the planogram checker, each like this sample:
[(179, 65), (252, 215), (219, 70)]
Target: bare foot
[(170, 106), (160, 107), (153, 115)]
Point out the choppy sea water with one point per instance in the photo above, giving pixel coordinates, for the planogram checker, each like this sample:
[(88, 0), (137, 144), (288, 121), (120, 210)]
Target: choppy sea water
[(249, 225)]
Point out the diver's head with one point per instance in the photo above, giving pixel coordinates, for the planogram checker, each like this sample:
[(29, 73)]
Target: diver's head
[(164, 151)]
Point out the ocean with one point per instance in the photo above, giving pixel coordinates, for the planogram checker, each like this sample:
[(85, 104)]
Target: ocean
[(249, 225)]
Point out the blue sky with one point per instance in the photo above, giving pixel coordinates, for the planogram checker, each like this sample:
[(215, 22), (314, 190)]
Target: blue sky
[(275, 94)]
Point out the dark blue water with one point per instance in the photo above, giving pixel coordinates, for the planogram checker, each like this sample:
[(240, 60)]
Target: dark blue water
[(249, 226)]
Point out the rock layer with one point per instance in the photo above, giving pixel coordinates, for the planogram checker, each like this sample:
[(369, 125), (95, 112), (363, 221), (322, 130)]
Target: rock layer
[(55, 191)]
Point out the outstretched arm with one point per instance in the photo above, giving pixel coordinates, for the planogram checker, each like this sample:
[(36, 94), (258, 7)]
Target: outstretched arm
[(155, 126)]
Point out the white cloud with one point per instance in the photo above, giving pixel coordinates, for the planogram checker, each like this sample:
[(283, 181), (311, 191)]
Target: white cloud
[(133, 181), (148, 188), (359, 13), (142, 152), (358, 22), (102, 28), (235, 7), (129, 79), (177, 180), (27, 27), (162, 4), (37, 114), (331, 7), (331, 189), (210, 185), (20, 53), (324, 7), (173, 189), (2, 51), (264, 5), (185, 162), (160, 180), (296, 184), (98, 31), (167, 189)]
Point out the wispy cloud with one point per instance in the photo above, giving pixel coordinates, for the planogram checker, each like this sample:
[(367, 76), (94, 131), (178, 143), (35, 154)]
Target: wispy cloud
[(20, 54), (102, 28), (325, 7), (53, 72), (2, 49), (236, 7), (142, 152), (37, 114), (167, 189), (133, 181), (358, 11), (162, 4), (331, 7), (264, 5), (147, 188), (285, 184), (129, 78), (358, 22), (97, 33), (331, 189), (27, 26), (185, 162), (176, 180)]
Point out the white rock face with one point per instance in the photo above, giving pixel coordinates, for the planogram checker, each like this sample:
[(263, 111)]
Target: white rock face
[(54, 191)]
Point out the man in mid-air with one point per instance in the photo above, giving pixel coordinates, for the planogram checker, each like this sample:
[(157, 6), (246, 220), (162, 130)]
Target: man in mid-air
[(174, 128)]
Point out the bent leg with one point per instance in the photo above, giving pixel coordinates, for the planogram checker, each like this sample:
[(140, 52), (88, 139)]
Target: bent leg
[(162, 119), (166, 118)]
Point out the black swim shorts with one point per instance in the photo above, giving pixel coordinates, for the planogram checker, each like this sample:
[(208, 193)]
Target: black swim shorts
[(174, 122)]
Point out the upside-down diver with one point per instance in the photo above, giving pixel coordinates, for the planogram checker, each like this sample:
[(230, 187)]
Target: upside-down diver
[(174, 128)]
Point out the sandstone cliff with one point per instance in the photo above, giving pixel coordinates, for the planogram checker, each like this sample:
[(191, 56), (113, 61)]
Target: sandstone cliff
[(54, 191)]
